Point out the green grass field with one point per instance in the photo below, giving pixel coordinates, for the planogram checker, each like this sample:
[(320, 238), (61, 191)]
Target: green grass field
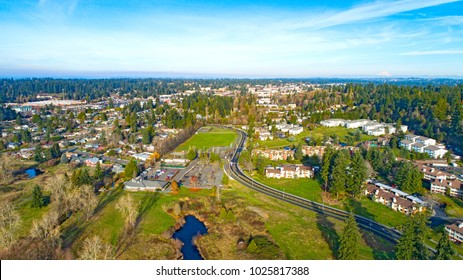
[(454, 206), (375, 211), (317, 133), (303, 187), (216, 137)]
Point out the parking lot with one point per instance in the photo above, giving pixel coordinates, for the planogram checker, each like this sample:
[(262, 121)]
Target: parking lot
[(203, 176), (161, 174)]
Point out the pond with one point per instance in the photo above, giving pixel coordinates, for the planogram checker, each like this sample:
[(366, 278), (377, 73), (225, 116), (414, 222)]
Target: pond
[(31, 172), (192, 228)]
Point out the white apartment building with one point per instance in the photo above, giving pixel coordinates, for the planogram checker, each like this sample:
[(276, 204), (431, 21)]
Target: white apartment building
[(295, 130), (423, 144), (356, 123), (333, 122), (289, 171)]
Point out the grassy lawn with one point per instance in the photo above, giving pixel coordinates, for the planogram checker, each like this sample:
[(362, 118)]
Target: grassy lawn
[(216, 137), (317, 133), (375, 211), (303, 187), (454, 206)]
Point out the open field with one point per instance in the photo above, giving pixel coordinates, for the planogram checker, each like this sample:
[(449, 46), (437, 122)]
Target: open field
[(303, 187), (317, 133), (216, 137)]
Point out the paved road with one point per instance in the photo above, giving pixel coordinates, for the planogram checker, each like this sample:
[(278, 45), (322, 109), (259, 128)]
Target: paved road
[(439, 216), (179, 176)]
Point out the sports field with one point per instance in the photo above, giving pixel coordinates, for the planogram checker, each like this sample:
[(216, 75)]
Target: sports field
[(215, 137)]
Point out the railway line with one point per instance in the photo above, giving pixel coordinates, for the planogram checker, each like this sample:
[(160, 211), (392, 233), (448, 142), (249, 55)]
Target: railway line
[(236, 173)]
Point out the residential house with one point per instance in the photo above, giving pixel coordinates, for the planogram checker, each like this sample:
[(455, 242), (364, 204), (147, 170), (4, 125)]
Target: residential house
[(295, 130), (274, 154), (143, 185), (452, 187), (395, 199), (142, 156), (289, 171), (92, 162), (265, 135), (455, 231)]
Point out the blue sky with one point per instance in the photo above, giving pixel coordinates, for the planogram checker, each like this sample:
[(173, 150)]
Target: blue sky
[(231, 38)]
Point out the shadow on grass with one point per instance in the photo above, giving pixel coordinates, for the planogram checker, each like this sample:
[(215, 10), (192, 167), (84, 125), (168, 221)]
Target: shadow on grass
[(72, 232), (108, 198), (382, 248), (147, 202), (129, 237), (356, 207), (329, 233)]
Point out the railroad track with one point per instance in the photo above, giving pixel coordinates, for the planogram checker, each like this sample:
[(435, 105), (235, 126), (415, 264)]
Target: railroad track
[(236, 173)]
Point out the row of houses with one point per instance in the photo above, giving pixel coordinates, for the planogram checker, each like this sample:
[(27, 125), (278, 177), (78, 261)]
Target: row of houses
[(288, 153), (395, 199), (441, 182), (265, 134), (421, 144), (373, 128), (289, 171)]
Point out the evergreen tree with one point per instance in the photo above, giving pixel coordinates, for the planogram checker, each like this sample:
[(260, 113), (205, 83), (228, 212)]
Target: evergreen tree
[(326, 165), (98, 173), (405, 246), (444, 249), (147, 135), (37, 197), (358, 174), (64, 159), (55, 151), (131, 170), (38, 153), (84, 178), (411, 245), (338, 174), (409, 178), (349, 240), (298, 155), (26, 136)]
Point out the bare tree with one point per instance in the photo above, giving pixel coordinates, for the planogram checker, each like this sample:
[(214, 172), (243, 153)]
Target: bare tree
[(96, 249), (87, 200), (9, 224), (6, 166), (47, 227), (128, 208)]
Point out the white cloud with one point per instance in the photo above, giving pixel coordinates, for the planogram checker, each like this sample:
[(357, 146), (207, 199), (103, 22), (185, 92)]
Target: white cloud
[(368, 11), (434, 52)]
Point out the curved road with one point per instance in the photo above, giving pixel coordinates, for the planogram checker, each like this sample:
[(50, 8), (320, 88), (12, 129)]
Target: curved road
[(236, 173)]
